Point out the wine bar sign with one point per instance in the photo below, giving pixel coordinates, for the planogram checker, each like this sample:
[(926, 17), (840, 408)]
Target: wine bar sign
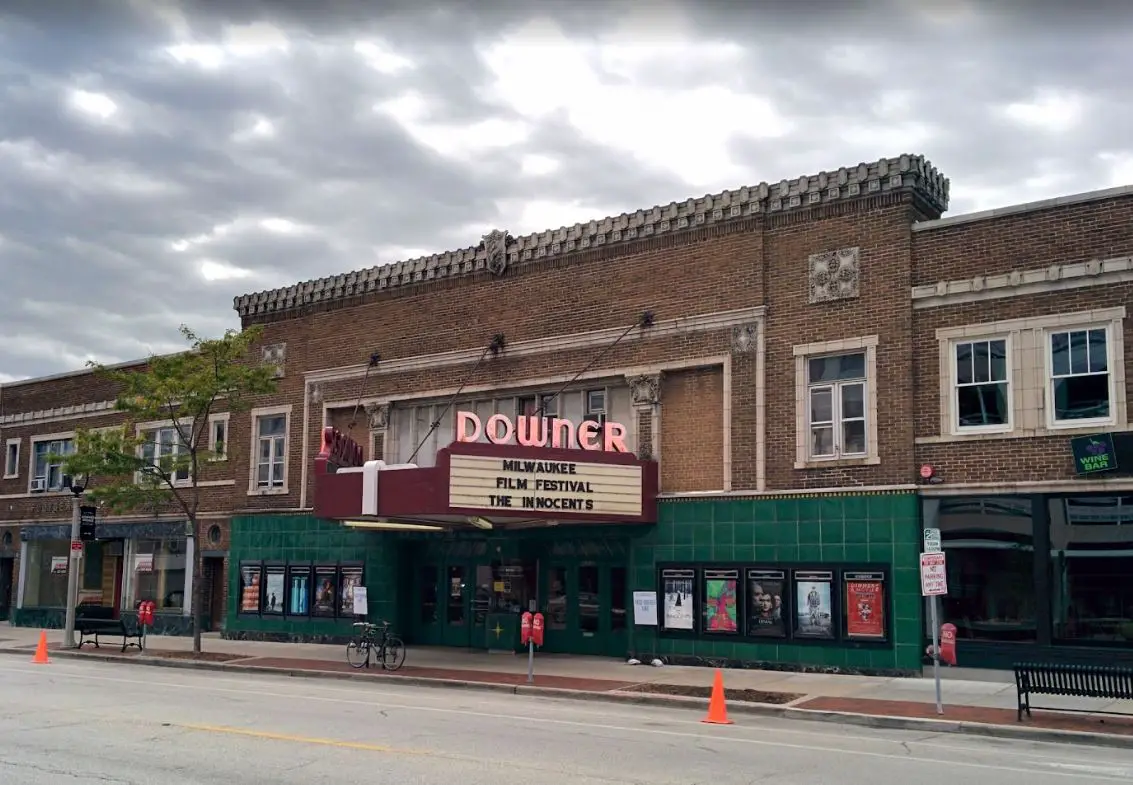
[(544, 488)]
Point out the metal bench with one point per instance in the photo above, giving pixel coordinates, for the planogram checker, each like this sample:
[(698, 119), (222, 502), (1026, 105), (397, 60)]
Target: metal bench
[(1077, 681), (92, 621)]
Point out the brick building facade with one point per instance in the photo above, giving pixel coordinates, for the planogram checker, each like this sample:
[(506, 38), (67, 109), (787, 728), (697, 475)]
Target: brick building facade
[(788, 355)]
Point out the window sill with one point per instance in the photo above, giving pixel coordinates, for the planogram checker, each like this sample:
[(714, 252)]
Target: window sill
[(837, 463), (1077, 430), (1081, 425), (268, 492), (11, 477)]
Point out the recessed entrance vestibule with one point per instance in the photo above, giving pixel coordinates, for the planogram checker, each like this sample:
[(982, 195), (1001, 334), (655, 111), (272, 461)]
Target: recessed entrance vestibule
[(470, 591)]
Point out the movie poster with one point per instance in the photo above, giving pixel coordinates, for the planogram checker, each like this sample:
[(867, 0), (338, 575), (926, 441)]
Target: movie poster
[(814, 606), (766, 616), (250, 588), (326, 598), (721, 601), (274, 583), (351, 577), (865, 605), (299, 596), (677, 588)]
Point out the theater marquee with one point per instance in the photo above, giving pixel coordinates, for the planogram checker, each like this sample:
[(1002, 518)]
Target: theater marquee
[(510, 485)]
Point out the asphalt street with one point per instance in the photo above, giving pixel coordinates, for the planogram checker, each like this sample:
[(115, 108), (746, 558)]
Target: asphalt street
[(86, 722)]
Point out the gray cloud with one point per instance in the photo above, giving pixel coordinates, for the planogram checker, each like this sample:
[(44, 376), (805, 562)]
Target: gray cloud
[(279, 165)]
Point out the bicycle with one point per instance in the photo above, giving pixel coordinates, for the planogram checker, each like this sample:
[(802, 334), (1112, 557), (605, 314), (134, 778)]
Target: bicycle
[(390, 649)]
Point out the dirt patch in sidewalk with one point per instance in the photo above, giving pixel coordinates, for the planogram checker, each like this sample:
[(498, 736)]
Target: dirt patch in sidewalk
[(204, 656), (746, 696)]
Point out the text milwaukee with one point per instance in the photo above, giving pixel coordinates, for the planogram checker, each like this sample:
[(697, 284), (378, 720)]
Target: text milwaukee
[(540, 467)]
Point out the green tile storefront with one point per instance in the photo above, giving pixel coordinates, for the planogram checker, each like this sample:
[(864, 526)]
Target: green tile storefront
[(744, 568)]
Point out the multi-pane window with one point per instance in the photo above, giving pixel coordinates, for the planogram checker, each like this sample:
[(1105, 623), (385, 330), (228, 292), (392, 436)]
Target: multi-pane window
[(595, 402), (1079, 375), (163, 448), (982, 389), (836, 405), (48, 463), (12, 459), (271, 450), (547, 405), (218, 439)]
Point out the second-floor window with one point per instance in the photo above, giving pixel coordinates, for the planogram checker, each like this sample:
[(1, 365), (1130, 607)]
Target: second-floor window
[(48, 466), (982, 388), (271, 450), (163, 447), (836, 405), (1079, 376)]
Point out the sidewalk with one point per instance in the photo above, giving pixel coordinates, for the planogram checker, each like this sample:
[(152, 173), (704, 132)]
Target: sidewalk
[(980, 702)]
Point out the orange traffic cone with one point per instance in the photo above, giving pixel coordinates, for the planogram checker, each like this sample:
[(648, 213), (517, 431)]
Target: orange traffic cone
[(40, 657), (717, 708)]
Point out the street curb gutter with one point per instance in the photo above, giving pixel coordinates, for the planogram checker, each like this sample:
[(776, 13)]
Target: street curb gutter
[(1022, 733)]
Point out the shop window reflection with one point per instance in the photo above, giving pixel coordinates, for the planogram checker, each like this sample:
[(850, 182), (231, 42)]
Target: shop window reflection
[(989, 542), (1091, 559), (588, 598), (618, 610), (429, 594), (556, 598), (455, 605)]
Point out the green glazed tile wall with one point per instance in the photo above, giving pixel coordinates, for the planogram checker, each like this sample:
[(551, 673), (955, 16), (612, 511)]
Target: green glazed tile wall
[(881, 528), (304, 538)]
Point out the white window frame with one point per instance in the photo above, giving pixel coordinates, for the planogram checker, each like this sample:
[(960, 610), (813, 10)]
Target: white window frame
[(214, 421), (1048, 375), (803, 353), (47, 437), (12, 463), (593, 411), (254, 453), (954, 386), (149, 431), (837, 420), (1031, 410)]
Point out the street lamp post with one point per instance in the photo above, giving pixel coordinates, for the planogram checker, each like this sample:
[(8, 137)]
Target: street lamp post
[(76, 487)]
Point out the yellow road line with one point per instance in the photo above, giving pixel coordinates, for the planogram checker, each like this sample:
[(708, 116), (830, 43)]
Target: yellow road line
[(267, 736)]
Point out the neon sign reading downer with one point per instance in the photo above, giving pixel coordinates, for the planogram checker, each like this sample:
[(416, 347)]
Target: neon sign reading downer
[(542, 432)]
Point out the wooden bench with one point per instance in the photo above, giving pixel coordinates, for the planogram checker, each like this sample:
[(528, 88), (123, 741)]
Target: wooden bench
[(1076, 681), (92, 621)]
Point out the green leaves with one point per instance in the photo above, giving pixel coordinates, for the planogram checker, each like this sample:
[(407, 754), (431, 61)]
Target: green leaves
[(156, 458)]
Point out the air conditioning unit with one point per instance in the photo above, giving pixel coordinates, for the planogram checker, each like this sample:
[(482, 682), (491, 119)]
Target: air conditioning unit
[(39, 485)]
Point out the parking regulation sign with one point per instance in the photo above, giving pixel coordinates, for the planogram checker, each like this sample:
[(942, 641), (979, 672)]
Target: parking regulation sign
[(934, 578)]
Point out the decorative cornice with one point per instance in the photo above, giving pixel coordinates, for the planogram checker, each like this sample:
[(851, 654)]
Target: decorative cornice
[(720, 320), (59, 413), (912, 173), (1056, 277)]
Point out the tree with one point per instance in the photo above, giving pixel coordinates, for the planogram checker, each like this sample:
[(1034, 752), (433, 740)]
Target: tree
[(130, 469)]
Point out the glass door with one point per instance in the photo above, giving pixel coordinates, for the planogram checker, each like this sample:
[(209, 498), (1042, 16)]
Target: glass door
[(555, 606), (429, 605), (457, 611)]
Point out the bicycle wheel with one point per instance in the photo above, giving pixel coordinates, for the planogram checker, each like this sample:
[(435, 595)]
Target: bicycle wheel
[(358, 653), (393, 654)]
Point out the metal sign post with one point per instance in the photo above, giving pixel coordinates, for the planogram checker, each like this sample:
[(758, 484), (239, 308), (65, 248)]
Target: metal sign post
[(530, 661), (934, 583)]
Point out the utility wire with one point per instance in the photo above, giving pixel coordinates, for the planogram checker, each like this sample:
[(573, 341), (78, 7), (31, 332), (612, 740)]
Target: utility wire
[(494, 348), (375, 358), (645, 321)]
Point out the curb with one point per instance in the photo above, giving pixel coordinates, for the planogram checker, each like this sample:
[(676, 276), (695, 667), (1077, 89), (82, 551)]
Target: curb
[(884, 722)]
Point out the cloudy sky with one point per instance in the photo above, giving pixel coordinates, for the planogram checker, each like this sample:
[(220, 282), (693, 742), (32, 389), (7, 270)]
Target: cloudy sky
[(157, 159)]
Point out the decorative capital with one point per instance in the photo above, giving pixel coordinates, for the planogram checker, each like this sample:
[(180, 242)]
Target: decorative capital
[(744, 338), (495, 251), (645, 390), (834, 275), (379, 416)]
